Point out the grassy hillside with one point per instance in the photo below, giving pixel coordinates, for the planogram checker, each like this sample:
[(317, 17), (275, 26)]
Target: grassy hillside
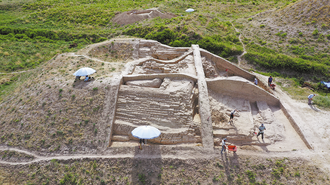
[(48, 111), (291, 39), (32, 32), (49, 26)]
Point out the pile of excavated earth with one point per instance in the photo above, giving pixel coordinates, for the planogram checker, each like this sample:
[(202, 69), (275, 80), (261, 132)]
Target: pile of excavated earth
[(133, 16), (187, 93)]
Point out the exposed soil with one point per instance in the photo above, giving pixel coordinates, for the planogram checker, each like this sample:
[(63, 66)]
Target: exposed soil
[(133, 16), (226, 169)]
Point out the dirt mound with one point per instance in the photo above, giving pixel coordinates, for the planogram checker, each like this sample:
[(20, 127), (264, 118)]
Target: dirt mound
[(312, 11), (139, 15)]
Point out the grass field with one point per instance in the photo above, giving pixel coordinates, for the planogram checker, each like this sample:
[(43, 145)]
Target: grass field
[(44, 26), (32, 32)]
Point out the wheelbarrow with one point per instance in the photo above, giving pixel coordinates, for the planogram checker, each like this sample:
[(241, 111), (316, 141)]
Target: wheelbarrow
[(232, 148), (272, 86)]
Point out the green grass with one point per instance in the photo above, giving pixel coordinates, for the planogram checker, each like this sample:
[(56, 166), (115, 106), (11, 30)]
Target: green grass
[(34, 31), (86, 21), (322, 101)]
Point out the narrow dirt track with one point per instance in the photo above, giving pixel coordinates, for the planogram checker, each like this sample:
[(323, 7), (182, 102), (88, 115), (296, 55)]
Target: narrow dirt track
[(239, 58)]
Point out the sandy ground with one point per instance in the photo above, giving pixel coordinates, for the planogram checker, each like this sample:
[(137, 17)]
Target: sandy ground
[(315, 124)]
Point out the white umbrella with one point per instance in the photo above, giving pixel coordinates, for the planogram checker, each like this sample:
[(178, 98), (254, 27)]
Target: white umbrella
[(190, 10), (84, 71), (146, 132)]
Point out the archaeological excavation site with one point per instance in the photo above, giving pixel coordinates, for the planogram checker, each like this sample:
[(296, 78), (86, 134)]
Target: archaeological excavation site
[(188, 93)]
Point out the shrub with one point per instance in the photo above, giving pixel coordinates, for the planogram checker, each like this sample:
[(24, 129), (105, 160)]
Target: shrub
[(142, 178), (250, 19), (251, 176), (60, 90), (60, 133), (324, 26), (276, 173), (95, 89), (262, 25), (315, 32), (69, 179), (281, 34)]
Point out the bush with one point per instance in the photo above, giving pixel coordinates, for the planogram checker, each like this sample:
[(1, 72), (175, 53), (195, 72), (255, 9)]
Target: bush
[(69, 179), (251, 176), (281, 34), (276, 173), (315, 32), (262, 25), (142, 178)]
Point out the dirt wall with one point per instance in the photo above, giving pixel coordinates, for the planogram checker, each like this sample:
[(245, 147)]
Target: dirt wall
[(221, 63), (241, 88)]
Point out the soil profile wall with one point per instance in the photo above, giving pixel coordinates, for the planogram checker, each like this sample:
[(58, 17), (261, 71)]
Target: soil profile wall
[(294, 124), (221, 63), (110, 113), (241, 88), (161, 76)]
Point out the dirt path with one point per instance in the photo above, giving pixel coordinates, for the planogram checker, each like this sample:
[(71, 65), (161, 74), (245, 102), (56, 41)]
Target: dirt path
[(239, 58), (179, 154), (14, 72)]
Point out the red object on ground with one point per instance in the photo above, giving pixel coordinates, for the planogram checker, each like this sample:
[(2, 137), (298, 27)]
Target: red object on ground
[(272, 86), (232, 148)]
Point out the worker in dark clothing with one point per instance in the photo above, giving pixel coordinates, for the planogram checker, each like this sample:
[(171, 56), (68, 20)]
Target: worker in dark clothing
[(270, 80), (261, 131)]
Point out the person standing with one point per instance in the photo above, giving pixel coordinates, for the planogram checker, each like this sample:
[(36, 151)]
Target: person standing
[(270, 80), (223, 144), (310, 98), (255, 81), (142, 142), (232, 115), (261, 131), (226, 74)]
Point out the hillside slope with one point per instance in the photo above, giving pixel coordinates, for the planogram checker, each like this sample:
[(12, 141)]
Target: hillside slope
[(292, 41), (51, 112)]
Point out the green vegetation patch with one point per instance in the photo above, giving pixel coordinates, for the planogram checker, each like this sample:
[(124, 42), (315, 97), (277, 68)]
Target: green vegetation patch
[(269, 59), (223, 45)]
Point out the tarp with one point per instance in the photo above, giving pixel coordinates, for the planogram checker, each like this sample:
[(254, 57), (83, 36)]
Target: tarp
[(327, 84)]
